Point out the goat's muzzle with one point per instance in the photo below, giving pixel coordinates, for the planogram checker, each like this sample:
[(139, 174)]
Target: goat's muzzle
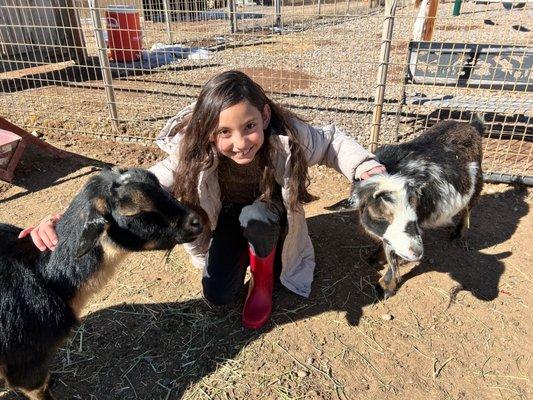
[(414, 252), (192, 228), (193, 223)]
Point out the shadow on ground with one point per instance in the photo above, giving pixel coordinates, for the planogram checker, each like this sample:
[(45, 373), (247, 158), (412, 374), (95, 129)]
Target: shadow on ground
[(152, 351), (469, 262), (38, 170), (77, 75)]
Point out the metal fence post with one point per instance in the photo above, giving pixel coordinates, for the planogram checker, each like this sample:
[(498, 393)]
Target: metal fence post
[(233, 16), (277, 5), (104, 64), (386, 37), (166, 10)]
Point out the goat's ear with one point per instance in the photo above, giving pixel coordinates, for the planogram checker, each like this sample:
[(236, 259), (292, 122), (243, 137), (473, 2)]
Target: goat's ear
[(92, 230), (354, 202), (384, 195), (351, 203)]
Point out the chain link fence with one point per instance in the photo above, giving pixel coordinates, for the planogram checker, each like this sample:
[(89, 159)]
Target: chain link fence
[(120, 71)]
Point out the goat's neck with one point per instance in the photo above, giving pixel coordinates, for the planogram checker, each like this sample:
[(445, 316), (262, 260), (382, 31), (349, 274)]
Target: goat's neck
[(77, 279), (112, 256)]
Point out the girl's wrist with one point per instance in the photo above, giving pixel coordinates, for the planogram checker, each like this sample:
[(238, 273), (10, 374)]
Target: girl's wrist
[(380, 169)]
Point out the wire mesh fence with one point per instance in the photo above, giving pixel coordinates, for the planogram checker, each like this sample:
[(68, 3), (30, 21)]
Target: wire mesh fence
[(121, 70), (478, 62)]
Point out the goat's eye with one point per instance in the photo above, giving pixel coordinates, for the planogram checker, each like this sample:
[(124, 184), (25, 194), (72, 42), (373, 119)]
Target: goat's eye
[(154, 217), (386, 198)]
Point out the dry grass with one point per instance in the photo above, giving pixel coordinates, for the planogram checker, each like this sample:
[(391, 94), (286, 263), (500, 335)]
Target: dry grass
[(458, 327)]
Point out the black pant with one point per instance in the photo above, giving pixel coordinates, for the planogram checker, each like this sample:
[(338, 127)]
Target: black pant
[(238, 226)]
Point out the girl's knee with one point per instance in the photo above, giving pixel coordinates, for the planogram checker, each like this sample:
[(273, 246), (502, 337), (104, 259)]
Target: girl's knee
[(261, 227), (258, 211), (258, 217), (216, 295)]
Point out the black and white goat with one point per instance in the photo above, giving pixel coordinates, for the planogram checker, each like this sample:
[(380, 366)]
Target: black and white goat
[(42, 294), (431, 179)]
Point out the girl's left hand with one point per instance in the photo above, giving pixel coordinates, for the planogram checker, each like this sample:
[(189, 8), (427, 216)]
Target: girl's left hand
[(43, 235), (374, 171)]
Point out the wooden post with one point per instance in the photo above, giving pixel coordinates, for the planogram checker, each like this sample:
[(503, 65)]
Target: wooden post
[(277, 6), (232, 15), (425, 21), (386, 37), (77, 34), (430, 20)]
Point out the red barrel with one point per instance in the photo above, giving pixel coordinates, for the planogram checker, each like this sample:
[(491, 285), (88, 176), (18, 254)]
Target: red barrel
[(124, 33)]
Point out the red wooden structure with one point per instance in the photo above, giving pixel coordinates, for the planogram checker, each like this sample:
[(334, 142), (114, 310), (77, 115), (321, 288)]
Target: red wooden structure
[(13, 141), (11, 148)]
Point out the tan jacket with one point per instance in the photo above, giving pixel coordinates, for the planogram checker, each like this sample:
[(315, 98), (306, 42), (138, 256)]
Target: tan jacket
[(326, 146)]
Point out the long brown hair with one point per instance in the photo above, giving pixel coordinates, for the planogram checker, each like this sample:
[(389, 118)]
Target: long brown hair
[(196, 152)]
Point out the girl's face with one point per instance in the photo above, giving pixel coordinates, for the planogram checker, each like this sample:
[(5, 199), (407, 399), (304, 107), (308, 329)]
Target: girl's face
[(240, 133)]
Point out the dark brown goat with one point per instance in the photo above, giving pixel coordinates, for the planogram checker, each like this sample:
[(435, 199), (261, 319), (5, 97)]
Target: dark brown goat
[(42, 294)]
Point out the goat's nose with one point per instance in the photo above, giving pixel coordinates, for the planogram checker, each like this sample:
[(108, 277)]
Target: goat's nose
[(416, 252), (192, 223)]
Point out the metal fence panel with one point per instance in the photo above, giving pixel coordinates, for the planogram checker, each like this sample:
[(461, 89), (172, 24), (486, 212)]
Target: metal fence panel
[(319, 58), (477, 62)]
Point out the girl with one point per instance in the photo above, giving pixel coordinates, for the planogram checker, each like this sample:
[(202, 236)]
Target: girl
[(242, 161)]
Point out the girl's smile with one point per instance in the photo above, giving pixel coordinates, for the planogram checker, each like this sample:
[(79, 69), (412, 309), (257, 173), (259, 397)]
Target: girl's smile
[(240, 133), (244, 153)]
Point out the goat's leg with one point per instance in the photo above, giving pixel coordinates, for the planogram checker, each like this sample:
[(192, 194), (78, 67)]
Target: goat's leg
[(42, 393), (462, 225), (464, 215), (30, 379), (390, 280)]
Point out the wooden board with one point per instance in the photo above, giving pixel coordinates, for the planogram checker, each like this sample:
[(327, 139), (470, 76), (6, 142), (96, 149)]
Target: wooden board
[(44, 29), (478, 66), (11, 149)]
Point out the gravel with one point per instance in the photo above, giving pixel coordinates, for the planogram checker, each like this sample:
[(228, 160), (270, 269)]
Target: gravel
[(323, 69)]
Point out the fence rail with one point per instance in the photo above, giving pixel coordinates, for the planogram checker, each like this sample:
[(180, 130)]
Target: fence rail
[(65, 65)]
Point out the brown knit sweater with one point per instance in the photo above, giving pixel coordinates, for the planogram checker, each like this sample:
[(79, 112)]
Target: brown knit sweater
[(239, 183)]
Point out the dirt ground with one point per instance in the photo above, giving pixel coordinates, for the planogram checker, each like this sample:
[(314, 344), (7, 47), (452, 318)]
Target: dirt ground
[(150, 335)]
